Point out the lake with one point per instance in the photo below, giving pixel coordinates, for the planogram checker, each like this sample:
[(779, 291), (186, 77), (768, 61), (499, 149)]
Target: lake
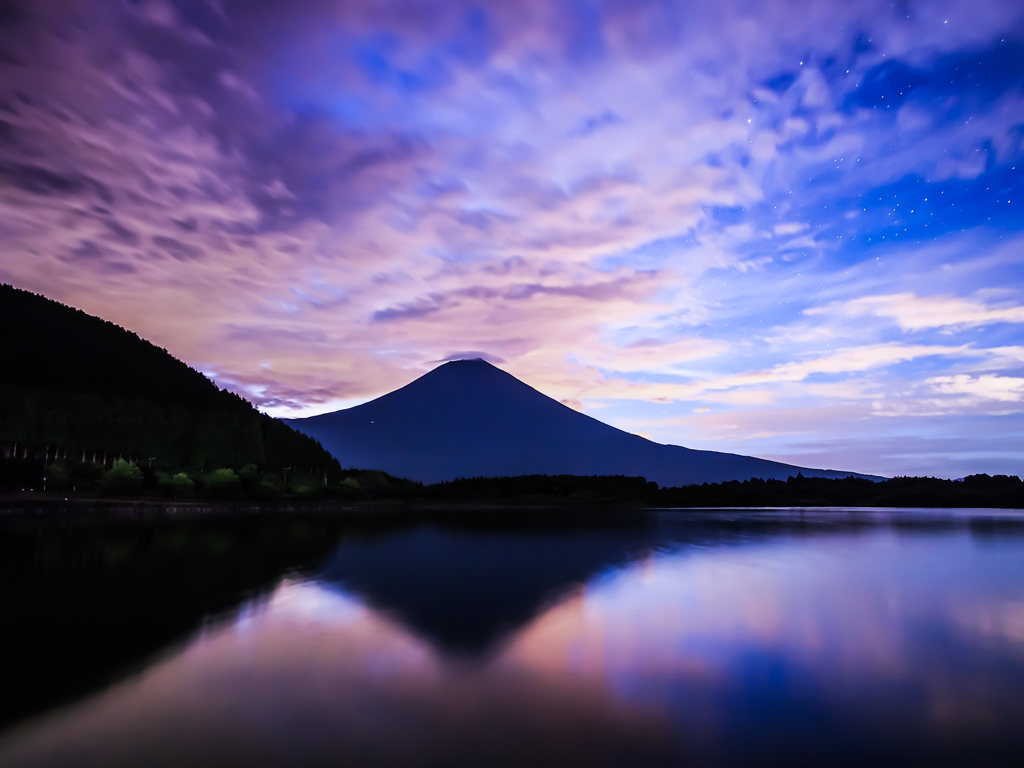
[(730, 637)]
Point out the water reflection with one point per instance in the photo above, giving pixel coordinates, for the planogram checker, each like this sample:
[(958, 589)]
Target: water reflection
[(465, 591), (725, 638), (84, 601)]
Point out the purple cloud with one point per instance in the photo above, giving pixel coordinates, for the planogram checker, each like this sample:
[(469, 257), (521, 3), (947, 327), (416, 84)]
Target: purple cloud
[(316, 200)]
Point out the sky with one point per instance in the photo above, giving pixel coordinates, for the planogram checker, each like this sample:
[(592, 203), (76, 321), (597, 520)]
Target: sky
[(792, 230)]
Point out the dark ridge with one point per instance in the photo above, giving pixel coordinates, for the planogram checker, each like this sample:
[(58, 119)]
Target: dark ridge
[(48, 346), (86, 391)]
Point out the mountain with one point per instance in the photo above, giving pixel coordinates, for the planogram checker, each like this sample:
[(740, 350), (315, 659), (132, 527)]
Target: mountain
[(468, 418), (72, 384)]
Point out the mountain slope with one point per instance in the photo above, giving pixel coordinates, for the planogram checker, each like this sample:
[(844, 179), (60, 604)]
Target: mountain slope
[(468, 419), (57, 348), (74, 383)]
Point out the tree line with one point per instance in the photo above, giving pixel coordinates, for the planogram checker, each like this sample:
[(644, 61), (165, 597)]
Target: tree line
[(126, 480), (981, 490)]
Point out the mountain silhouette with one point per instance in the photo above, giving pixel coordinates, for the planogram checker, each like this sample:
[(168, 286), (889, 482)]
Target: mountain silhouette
[(74, 382), (468, 418)]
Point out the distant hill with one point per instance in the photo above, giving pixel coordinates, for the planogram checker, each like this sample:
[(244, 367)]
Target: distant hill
[(470, 419), (73, 385)]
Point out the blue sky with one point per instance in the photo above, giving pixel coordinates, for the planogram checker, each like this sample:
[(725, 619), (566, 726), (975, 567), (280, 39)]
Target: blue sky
[(789, 230)]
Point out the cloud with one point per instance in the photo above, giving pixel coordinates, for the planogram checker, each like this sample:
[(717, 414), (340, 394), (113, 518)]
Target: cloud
[(790, 228), (912, 312), (177, 249), (474, 355), (652, 355), (987, 386), (855, 359), (631, 205), (411, 310)]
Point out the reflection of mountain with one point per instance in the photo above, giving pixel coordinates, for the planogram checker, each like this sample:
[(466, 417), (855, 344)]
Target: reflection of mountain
[(470, 419), (465, 590), (84, 601), (835, 652)]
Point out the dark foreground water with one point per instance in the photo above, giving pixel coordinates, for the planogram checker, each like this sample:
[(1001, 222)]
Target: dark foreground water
[(731, 637)]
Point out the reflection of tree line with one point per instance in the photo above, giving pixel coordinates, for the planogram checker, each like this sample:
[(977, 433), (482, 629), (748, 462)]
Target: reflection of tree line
[(84, 601)]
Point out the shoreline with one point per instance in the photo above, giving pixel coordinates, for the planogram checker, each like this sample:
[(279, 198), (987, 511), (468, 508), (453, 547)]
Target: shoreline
[(54, 507)]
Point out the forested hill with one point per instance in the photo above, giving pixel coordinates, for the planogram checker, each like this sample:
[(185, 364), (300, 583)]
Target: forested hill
[(81, 389), (46, 345)]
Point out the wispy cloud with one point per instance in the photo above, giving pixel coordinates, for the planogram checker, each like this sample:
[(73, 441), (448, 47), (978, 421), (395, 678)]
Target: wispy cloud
[(912, 312), (648, 207), (988, 386)]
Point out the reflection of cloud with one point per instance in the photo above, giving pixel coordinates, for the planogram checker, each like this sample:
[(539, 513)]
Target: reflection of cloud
[(893, 620), (342, 685), (1000, 621), (308, 602), (852, 611)]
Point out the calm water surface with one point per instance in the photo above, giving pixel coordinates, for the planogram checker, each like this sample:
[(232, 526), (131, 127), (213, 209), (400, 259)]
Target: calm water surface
[(673, 638)]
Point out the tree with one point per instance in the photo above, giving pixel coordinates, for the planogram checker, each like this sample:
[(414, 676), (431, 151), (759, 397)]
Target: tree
[(122, 479), (181, 486), (223, 484)]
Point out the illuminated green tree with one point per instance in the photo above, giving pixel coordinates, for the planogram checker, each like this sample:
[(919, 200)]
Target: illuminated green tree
[(122, 479)]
